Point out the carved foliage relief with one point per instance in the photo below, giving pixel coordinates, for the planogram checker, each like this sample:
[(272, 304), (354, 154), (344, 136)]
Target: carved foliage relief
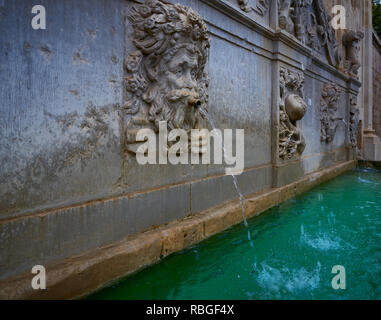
[(258, 6), (354, 120), (165, 76), (329, 119), (292, 108), (309, 22)]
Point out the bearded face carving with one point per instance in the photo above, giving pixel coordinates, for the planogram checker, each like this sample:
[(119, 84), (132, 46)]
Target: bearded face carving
[(177, 97), (165, 76), (351, 41)]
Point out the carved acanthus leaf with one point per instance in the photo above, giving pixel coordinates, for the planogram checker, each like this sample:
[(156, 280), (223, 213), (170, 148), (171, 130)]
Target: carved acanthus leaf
[(331, 94), (292, 108)]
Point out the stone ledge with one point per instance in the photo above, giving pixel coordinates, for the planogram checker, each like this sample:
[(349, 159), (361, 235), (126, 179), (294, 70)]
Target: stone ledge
[(46, 237), (77, 276)]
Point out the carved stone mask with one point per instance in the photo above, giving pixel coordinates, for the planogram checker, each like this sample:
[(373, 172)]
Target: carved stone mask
[(167, 72), (179, 88)]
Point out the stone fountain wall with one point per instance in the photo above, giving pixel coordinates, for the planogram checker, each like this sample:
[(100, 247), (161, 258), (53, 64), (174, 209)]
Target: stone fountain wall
[(69, 182), (377, 84)]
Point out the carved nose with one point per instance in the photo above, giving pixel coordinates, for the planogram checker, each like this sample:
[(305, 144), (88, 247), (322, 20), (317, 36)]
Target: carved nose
[(194, 102)]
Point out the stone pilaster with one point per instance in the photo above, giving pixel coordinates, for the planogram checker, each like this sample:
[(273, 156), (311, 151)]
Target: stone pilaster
[(371, 142)]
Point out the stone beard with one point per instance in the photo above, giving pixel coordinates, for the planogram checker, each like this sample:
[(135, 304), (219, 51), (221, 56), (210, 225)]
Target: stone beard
[(177, 97), (165, 76)]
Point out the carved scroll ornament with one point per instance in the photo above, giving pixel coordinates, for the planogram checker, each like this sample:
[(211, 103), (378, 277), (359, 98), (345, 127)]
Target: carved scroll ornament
[(292, 108), (329, 119), (165, 76), (309, 22)]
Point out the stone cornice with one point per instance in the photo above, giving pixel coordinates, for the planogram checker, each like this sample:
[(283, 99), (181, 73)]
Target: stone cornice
[(275, 35), (240, 16), (291, 41)]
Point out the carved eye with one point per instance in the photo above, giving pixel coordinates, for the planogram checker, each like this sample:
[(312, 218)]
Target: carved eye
[(193, 73), (179, 72)]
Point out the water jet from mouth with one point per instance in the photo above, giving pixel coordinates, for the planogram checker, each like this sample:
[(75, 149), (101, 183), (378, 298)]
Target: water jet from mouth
[(235, 182)]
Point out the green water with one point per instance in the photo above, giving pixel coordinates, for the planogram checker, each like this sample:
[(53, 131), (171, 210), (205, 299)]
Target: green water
[(293, 249)]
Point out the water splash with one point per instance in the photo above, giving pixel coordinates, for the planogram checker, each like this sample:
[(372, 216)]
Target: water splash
[(235, 182), (333, 217), (289, 280), (322, 241), (367, 181)]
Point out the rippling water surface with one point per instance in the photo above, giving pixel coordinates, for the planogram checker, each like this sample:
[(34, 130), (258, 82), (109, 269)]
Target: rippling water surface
[(294, 247)]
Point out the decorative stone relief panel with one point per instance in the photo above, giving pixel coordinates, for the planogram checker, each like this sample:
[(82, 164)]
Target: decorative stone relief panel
[(331, 94), (309, 22), (292, 108), (258, 6), (165, 77), (354, 120), (351, 42)]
